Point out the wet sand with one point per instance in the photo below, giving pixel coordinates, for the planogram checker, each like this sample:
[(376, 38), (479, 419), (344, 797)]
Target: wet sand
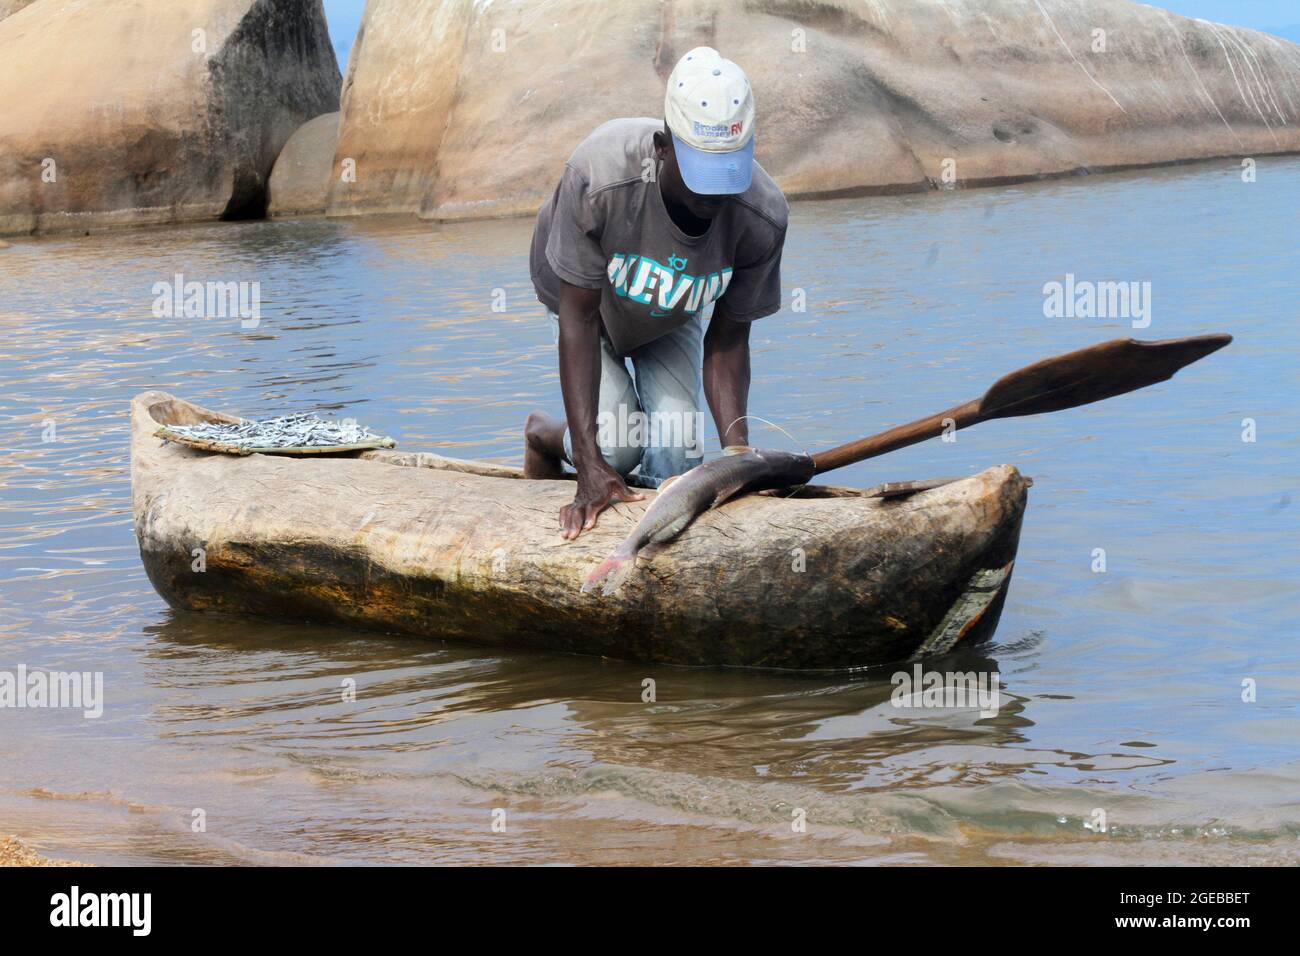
[(14, 852)]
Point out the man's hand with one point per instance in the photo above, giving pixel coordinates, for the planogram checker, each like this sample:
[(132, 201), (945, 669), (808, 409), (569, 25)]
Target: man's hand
[(599, 486)]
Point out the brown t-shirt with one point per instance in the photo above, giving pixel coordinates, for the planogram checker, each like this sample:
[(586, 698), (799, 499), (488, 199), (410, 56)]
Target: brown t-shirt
[(607, 228)]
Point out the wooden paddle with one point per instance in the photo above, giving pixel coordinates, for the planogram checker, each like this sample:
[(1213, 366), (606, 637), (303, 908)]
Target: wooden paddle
[(1075, 378)]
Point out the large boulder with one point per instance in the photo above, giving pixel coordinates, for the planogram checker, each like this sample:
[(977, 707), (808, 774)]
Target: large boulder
[(462, 109), (397, 100), (300, 179), (144, 111), (8, 7)]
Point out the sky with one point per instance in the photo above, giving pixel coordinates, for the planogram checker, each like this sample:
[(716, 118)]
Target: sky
[(1281, 17), (344, 17)]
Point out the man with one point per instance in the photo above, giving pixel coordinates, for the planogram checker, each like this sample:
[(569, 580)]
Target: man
[(651, 225)]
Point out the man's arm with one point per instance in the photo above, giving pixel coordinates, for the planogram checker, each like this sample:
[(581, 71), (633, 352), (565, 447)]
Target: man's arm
[(726, 375), (598, 484)]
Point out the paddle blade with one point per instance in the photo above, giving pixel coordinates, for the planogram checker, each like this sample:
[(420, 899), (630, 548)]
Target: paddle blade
[(1091, 374)]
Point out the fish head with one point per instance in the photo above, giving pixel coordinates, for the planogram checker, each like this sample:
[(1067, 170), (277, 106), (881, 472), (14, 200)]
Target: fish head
[(795, 468)]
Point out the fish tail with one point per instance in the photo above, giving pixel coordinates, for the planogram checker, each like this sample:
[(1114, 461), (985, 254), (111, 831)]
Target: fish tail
[(618, 574), (613, 571)]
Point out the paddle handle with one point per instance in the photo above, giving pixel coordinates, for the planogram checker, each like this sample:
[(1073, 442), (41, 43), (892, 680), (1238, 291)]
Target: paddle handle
[(960, 416)]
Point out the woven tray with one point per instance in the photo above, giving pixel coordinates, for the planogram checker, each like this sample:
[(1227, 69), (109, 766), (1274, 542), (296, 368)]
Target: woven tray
[(167, 434)]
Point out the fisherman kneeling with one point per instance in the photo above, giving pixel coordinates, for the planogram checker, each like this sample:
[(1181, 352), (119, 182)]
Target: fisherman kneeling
[(653, 228)]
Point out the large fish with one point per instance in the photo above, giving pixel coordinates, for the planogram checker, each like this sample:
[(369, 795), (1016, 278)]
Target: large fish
[(690, 495)]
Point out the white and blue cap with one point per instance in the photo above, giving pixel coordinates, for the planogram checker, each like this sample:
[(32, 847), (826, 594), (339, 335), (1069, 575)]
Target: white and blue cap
[(710, 112)]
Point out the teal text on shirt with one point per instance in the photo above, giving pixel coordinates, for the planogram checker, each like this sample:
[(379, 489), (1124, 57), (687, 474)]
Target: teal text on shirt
[(644, 280)]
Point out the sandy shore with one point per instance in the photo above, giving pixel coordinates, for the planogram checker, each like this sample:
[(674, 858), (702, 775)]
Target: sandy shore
[(13, 852)]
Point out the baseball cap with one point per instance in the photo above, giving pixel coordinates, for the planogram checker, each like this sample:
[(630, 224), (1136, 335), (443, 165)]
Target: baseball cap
[(709, 108)]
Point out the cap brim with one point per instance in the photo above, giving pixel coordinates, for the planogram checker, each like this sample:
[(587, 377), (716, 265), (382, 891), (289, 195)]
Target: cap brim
[(715, 174)]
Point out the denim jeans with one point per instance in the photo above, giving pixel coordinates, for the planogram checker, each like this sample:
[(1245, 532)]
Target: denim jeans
[(651, 416)]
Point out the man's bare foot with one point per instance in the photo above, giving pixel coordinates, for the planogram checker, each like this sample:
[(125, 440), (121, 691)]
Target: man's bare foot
[(543, 446)]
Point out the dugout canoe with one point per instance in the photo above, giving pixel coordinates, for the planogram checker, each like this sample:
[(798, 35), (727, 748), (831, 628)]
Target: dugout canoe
[(419, 544)]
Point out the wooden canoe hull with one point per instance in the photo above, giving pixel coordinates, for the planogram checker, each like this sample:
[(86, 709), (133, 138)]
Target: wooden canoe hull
[(429, 546)]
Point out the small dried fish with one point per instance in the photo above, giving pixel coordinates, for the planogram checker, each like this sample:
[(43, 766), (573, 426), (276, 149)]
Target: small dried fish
[(286, 431)]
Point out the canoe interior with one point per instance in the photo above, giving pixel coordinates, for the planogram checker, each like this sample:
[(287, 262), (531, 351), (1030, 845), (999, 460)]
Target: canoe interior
[(173, 411)]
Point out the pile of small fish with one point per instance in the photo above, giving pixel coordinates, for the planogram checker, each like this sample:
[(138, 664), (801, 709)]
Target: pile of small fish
[(287, 431)]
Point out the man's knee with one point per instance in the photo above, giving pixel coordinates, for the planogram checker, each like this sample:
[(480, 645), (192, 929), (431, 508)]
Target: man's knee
[(618, 454), (619, 428), (623, 458)]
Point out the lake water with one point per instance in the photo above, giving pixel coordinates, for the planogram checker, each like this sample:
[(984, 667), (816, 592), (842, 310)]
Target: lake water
[(1123, 689)]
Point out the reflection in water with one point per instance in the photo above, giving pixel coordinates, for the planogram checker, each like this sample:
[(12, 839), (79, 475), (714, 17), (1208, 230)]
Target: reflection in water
[(738, 724), (1120, 691)]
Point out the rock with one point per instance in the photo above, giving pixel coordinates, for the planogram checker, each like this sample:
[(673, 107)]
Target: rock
[(396, 102), (153, 111), (4, 245), (458, 109), (300, 179), (10, 7)]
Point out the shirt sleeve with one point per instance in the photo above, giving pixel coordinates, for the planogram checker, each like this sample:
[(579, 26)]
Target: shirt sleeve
[(573, 248), (755, 290)]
